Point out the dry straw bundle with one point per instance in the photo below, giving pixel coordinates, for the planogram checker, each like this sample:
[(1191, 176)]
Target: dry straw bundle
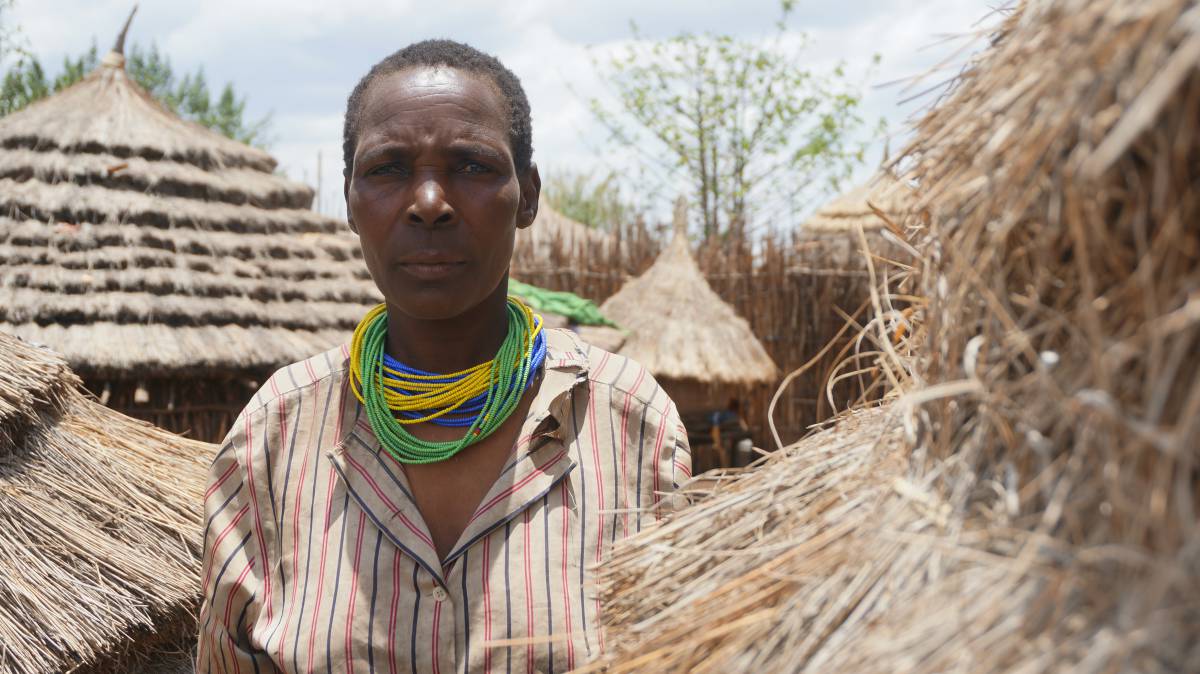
[(101, 519), (1028, 501)]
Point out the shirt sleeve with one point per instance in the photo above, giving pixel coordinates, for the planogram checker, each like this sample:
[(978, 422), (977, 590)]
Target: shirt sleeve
[(681, 457), (231, 571), (675, 465)]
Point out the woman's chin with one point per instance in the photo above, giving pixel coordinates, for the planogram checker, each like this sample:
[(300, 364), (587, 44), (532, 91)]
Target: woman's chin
[(432, 302)]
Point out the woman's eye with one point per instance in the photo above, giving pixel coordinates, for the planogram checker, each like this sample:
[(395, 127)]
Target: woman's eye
[(386, 169)]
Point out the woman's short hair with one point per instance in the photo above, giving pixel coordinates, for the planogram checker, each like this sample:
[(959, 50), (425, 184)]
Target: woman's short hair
[(453, 55)]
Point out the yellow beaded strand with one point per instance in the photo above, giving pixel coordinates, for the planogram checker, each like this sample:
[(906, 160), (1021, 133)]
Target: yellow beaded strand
[(448, 396)]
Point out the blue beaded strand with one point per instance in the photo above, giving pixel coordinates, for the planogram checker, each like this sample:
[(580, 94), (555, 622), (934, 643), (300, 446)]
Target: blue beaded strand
[(465, 415)]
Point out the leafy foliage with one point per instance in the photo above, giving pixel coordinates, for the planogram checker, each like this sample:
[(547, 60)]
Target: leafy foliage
[(22, 85), (594, 201), (188, 96), (739, 119)]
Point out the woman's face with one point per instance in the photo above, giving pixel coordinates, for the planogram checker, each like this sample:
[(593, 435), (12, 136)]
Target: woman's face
[(433, 194)]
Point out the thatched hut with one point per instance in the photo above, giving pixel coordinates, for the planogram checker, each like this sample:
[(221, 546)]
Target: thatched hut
[(100, 520), (860, 207), (698, 348), (554, 235), (169, 264), (1028, 499), (828, 237), (559, 253)]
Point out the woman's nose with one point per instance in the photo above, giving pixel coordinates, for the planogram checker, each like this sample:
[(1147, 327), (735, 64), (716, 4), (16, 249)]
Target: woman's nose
[(430, 207)]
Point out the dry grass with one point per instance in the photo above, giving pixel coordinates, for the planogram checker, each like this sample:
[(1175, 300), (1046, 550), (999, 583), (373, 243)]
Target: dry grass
[(155, 253), (1028, 501), (141, 245), (163, 177), (100, 519), (38, 387), (554, 235), (708, 591)]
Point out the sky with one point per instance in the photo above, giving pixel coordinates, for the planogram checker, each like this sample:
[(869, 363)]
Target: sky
[(297, 60)]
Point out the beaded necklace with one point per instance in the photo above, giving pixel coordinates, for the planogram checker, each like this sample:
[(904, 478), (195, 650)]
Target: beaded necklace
[(480, 398)]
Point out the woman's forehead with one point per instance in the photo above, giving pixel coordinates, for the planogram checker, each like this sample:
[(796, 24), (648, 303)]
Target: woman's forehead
[(433, 92)]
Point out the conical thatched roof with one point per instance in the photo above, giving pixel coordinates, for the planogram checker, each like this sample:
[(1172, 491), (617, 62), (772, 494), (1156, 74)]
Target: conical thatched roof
[(853, 208), (134, 241), (680, 329), (99, 522)]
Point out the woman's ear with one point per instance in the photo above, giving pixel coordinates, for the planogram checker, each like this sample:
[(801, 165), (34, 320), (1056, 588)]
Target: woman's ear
[(346, 196), (531, 190)]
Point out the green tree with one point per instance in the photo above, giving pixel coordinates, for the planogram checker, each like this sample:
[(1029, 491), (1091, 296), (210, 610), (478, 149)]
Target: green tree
[(594, 201), (151, 69), (22, 85), (740, 120), (192, 97), (75, 69), (189, 96)]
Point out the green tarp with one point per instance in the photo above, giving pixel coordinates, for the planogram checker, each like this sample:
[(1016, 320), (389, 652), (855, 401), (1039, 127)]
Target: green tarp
[(575, 308)]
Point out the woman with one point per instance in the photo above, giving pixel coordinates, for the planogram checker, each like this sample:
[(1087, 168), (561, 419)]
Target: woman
[(434, 496)]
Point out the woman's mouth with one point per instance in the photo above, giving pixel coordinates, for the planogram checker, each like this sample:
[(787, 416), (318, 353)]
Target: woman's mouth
[(430, 267)]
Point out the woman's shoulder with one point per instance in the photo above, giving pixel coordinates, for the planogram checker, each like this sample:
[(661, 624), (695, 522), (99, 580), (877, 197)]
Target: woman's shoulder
[(621, 375)]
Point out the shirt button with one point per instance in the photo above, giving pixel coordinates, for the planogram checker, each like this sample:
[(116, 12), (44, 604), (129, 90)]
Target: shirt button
[(439, 594)]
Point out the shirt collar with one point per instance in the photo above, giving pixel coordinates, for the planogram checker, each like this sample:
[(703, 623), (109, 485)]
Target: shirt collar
[(566, 367), (565, 351)]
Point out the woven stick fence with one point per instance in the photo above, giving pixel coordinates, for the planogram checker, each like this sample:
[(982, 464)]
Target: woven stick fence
[(795, 294)]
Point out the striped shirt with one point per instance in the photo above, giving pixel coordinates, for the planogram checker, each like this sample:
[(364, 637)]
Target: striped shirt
[(316, 558)]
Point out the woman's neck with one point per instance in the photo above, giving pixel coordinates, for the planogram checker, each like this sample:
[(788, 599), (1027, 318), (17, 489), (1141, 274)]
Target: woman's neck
[(452, 344)]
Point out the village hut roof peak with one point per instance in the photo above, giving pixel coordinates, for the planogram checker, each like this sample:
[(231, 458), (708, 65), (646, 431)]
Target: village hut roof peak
[(99, 523), (119, 45), (107, 112), (136, 243), (679, 328)]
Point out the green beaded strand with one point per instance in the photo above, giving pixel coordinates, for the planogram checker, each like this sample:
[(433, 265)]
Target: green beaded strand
[(508, 373)]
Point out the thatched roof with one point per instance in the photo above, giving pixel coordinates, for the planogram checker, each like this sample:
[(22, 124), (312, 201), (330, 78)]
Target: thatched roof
[(1028, 502), (680, 329), (135, 242), (854, 208), (551, 234), (99, 522)]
